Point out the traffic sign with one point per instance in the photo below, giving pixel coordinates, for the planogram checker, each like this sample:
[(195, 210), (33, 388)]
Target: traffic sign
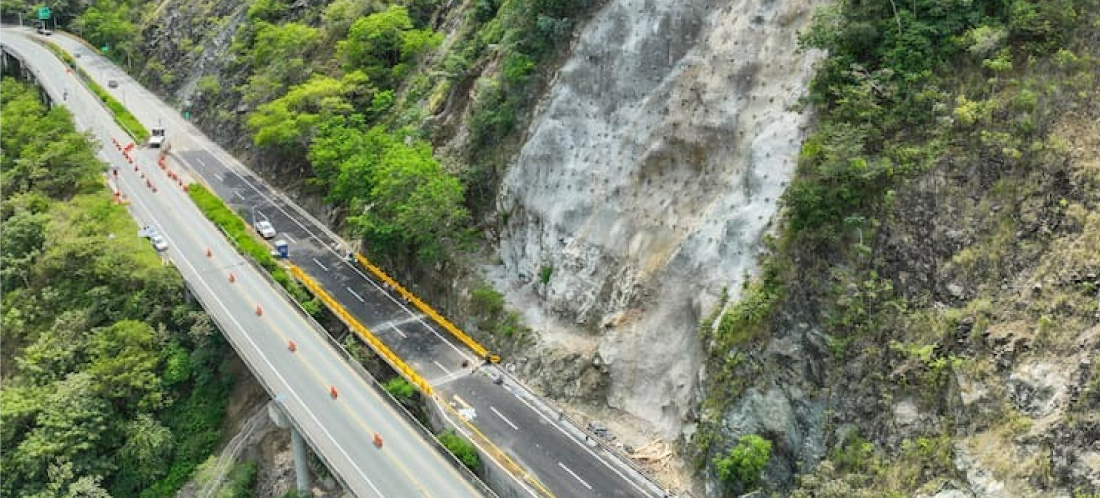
[(43, 13)]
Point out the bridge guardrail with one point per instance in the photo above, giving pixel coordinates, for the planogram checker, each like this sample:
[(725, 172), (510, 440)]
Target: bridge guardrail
[(372, 340), (427, 310)]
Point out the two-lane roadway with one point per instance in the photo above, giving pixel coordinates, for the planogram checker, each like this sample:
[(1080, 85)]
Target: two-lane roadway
[(260, 322)]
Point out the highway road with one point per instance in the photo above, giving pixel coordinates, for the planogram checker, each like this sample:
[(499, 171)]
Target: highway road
[(260, 322), (562, 459)]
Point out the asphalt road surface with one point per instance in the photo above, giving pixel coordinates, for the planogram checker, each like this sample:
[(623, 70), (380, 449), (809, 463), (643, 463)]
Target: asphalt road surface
[(258, 320), (564, 460)]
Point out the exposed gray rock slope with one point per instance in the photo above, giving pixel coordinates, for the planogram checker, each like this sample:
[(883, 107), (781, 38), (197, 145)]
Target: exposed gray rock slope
[(647, 180)]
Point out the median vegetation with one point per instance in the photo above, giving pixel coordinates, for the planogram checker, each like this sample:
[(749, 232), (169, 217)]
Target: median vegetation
[(243, 239), (122, 116)]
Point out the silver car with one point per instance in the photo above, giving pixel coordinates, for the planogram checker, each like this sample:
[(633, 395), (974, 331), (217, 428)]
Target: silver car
[(159, 243)]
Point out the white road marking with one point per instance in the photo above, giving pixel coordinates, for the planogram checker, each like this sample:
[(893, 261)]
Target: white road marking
[(398, 330), (574, 474), (322, 265), (238, 194), (357, 296), (256, 348), (581, 445), (444, 369), (291, 239), (509, 422), (220, 176)]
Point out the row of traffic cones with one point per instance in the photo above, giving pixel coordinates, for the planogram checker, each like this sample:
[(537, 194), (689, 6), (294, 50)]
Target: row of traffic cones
[(291, 346)]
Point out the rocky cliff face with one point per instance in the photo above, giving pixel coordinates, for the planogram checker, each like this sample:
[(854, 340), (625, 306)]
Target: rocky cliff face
[(646, 183)]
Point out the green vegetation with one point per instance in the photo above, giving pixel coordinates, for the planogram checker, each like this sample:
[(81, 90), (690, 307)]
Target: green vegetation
[(745, 463), (245, 241), (109, 23), (113, 382), (401, 200), (122, 116), (238, 482), (384, 45), (401, 389), (462, 449), (934, 113)]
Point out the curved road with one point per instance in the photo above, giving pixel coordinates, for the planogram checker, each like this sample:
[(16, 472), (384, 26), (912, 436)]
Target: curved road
[(340, 429)]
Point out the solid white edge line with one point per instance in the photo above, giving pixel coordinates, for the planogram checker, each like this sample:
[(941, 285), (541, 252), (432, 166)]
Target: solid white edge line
[(574, 474), (505, 419), (259, 352), (582, 446)]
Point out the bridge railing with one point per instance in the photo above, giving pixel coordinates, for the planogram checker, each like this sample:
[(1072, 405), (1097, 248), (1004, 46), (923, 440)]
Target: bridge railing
[(427, 310), (350, 359)]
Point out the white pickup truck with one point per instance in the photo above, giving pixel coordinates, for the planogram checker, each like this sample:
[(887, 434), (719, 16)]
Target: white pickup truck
[(156, 137)]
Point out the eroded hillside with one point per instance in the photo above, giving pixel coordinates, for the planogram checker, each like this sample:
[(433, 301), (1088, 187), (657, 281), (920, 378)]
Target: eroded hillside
[(871, 273)]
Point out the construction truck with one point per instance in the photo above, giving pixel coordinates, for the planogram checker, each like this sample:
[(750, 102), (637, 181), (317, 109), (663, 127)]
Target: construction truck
[(156, 137)]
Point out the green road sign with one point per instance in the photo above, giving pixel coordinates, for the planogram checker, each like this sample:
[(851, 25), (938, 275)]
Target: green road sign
[(43, 13), (105, 48)]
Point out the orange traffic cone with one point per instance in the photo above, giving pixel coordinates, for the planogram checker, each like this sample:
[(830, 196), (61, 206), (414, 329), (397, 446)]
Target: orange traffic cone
[(291, 346), (209, 253), (377, 440), (232, 278), (259, 310), (332, 391)]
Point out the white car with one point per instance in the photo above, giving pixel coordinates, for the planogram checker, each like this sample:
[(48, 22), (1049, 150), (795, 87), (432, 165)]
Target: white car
[(159, 243), (265, 229)]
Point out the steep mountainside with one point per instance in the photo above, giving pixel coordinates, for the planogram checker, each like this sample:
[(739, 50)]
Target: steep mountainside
[(646, 182), (827, 248)]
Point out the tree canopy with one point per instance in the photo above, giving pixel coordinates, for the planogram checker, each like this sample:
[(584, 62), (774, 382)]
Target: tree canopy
[(111, 383)]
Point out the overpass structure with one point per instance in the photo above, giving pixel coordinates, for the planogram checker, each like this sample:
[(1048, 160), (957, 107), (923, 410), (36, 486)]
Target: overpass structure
[(259, 322), (543, 452)]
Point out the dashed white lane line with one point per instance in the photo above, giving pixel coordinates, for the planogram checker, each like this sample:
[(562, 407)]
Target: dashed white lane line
[(398, 330), (441, 367), (357, 296), (322, 265), (221, 177), (291, 239), (513, 426), (575, 476), (238, 194)]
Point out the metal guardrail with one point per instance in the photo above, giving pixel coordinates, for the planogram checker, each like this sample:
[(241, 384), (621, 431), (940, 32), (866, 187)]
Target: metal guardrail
[(350, 359), (362, 331), (499, 455), (427, 310), (394, 361)]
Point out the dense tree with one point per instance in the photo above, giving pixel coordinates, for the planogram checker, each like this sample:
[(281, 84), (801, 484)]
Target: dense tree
[(82, 406), (107, 23), (745, 462), (384, 44), (292, 120)]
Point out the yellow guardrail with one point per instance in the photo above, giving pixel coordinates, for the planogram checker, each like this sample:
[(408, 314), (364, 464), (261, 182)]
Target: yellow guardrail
[(428, 310), (509, 465), (373, 341)]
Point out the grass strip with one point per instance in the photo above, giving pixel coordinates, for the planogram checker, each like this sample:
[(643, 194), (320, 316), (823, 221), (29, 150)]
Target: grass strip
[(241, 237), (122, 116)]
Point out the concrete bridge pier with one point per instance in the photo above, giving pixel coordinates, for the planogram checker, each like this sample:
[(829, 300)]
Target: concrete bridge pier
[(298, 445)]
